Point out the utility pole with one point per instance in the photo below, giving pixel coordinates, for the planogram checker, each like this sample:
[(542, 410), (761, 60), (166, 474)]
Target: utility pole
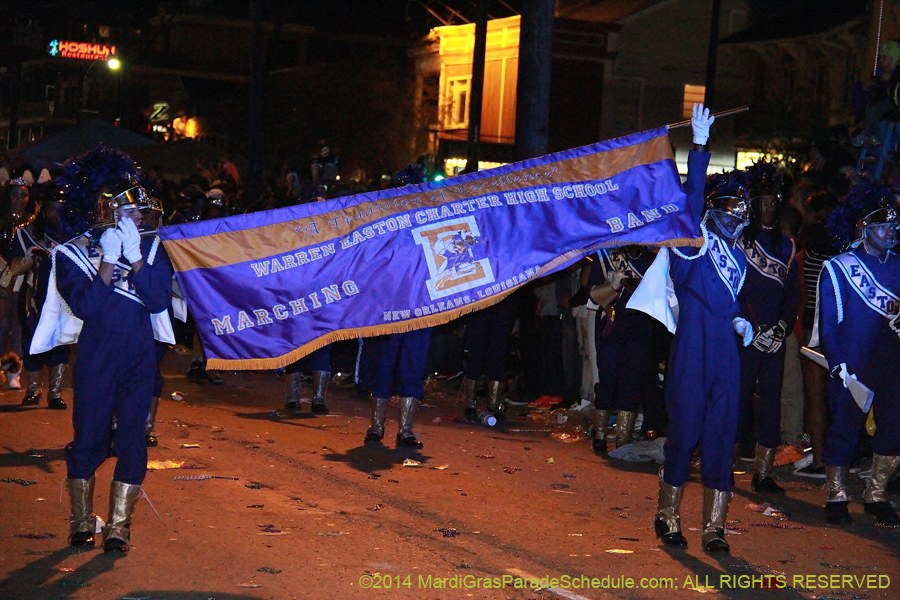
[(533, 88), (476, 89), (712, 54), (255, 139)]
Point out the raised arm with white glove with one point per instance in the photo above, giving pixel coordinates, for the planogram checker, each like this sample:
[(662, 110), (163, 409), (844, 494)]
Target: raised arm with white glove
[(700, 124)]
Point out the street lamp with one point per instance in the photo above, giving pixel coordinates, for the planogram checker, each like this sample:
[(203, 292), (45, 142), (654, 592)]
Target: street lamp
[(112, 63)]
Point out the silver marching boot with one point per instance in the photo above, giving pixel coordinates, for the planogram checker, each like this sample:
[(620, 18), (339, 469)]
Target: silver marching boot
[(468, 391), (877, 503), (117, 532), (379, 407), (292, 391), (320, 385), (762, 481), (150, 427), (33, 391), (599, 424), (625, 421), (715, 511), (837, 503), (54, 400), (405, 436), (82, 522), (495, 402), (668, 517)]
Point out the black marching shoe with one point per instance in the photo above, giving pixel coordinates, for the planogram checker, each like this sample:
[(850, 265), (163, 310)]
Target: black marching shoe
[(838, 513), (81, 538), (765, 485), (319, 408), (152, 441), (57, 404), (115, 545), (669, 538), (883, 513), (409, 442), (718, 543), (197, 373), (32, 398), (471, 413), (599, 446)]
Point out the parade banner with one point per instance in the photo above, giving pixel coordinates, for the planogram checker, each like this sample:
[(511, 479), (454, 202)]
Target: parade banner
[(266, 289)]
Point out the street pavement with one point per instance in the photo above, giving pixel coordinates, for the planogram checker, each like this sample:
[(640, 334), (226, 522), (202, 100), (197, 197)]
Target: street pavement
[(268, 504)]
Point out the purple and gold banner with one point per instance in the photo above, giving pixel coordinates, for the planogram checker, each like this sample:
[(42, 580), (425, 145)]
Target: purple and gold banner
[(268, 288)]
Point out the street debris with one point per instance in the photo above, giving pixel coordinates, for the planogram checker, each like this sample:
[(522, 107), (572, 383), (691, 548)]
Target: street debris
[(157, 465), (411, 463), (268, 570), (254, 485), (190, 445), (16, 480), (376, 507), (203, 478), (511, 470), (448, 532), (178, 396), (778, 525), (619, 551), (35, 536), (486, 456)]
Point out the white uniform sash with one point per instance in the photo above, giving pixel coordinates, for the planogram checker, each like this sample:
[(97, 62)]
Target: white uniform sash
[(767, 266), (876, 296), (726, 264), (58, 326)]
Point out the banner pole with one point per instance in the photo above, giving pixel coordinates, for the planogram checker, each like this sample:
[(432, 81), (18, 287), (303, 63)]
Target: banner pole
[(718, 115)]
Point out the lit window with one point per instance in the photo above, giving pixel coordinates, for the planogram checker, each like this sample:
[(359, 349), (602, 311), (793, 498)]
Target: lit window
[(457, 102), (692, 95)]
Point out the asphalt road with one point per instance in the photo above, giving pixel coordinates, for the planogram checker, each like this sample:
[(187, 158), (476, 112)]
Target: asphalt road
[(295, 506)]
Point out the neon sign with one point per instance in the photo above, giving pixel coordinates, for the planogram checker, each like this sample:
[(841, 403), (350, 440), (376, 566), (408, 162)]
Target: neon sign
[(81, 50)]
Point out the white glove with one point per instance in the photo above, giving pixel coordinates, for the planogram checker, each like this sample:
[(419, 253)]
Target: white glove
[(842, 373), (615, 278), (131, 241), (700, 123), (743, 328), (111, 244), (895, 324)]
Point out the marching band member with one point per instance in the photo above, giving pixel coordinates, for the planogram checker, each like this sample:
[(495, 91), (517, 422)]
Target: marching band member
[(858, 324), (769, 300), (703, 387), (628, 347)]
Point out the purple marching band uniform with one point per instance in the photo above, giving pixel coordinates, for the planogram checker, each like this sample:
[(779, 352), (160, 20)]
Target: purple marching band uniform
[(703, 386), (114, 374), (396, 362), (769, 300), (487, 343), (31, 300), (319, 362), (397, 366), (628, 350), (859, 301)]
